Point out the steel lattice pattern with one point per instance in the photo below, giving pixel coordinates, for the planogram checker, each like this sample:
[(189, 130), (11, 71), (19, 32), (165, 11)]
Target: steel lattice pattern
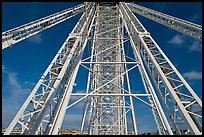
[(106, 27)]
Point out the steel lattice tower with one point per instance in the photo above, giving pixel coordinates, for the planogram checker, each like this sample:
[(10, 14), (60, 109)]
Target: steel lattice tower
[(106, 27)]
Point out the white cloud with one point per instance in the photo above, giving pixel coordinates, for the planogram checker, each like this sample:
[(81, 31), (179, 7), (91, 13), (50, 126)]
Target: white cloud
[(177, 40), (14, 94), (4, 69), (36, 39), (29, 83), (193, 75), (15, 87), (196, 46), (13, 81), (16, 90)]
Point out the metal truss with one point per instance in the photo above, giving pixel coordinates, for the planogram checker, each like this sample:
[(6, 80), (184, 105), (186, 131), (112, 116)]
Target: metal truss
[(184, 107), (100, 96), (46, 105), (157, 111), (107, 113), (183, 26), (107, 102), (17, 34), (108, 97)]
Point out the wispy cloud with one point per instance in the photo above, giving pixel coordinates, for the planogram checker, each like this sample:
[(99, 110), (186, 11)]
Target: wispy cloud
[(14, 94), (3, 68), (15, 86), (177, 40), (180, 40), (193, 75), (29, 83), (36, 39), (196, 46), (13, 80)]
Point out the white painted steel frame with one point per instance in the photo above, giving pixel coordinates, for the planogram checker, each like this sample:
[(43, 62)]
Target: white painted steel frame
[(144, 42), (95, 94), (86, 102), (128, 84), (47, 103), (20, 33), (62, 108), (163, 127), (47, 86), (183, 26), (107, 30)]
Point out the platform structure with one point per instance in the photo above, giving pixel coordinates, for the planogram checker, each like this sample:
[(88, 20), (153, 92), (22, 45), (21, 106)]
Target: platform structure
[(107, 27)]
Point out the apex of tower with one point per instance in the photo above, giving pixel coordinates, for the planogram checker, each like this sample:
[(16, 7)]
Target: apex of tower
[(107, 3)]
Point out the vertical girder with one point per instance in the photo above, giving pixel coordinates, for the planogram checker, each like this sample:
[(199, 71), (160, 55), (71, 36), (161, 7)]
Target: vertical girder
[(59, 72), (158, 113), (105, 117), (182, 103), (58, 114), (107, 102)]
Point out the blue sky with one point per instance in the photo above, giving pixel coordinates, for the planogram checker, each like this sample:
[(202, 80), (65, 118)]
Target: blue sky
[(25, 62)]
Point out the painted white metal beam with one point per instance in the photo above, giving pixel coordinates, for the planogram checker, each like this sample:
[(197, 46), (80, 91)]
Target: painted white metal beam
[(183, 26), (47, 88), (143, 40), (25, 31)]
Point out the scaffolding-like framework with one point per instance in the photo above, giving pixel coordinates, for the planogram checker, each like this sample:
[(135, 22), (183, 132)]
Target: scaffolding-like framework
[(106, 27)]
